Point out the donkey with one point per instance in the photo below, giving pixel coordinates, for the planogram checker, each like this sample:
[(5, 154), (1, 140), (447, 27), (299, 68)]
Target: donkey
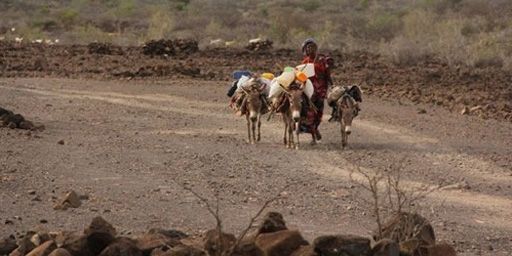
[(347, 110), (254, 106), (290, 109)]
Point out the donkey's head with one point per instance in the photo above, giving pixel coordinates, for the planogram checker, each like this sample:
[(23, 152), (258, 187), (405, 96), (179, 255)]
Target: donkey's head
[(294, 95), (254, 102), (347, 109)]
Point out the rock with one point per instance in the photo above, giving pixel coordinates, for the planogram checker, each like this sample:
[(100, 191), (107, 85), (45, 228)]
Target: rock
[(60, 252), (464, 111), (457, 186), (7, 244), (78, 246), (99, 234), (61, 142), (70, 200), (171, 233), (272, 222), (150, 241), (405, 227), (44, 249), (100, 225), (475, 108), (212, 243), (31, 192), (280, 243), (341, 245), (26, 125), (12, 125), (305, 250), (39, 238), (247, 249), (121, 247), (24, 245), (422, 111), (180, 250), (442, 249), (385, 247)]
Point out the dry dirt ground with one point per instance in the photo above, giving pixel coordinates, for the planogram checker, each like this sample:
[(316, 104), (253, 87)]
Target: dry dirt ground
[(127, 144)]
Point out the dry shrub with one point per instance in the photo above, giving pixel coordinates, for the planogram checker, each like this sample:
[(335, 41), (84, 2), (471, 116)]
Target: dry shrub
[(404, 51), (161, 25)]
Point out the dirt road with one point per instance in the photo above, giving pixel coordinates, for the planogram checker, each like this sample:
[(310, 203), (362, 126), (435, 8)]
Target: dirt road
[(126, 144)]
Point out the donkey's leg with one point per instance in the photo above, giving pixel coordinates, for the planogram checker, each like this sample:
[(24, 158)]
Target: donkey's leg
[(259, 127), (343, 137), (291, 139), (248, 128), (253, 126), (285, 141), (297, 132)]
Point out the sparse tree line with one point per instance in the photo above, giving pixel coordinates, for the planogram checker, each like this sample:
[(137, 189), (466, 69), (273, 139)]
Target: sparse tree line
[(468, 32)]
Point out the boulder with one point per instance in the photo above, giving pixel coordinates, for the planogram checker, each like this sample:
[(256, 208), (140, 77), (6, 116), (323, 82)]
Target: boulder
[(44, 249), (60, 252), (122, 247), (272, 222), (7, 244), (212, 243), (280, 243), (436, 250), (150, 241), (305, 250), (349, 245), (24, 245), (99, 234), (180, 250), (385, 247), (247, 249)]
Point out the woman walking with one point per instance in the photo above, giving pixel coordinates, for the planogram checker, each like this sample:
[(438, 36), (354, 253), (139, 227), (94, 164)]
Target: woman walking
[(321, 81)]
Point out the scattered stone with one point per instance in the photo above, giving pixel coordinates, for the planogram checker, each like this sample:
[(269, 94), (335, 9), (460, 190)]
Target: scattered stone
[(457, 186), (7, 244), (475, 108), (104, 49), (44, 249), (259, 45), (31, 192), (174, 234), (283, 242), (342, 244), (464, 111), (422, 111), (71, 199), (61, 142)]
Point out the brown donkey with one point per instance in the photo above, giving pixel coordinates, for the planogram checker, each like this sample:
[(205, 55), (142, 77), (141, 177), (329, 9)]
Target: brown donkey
[(347, 110), (254, 106), (290, 109)]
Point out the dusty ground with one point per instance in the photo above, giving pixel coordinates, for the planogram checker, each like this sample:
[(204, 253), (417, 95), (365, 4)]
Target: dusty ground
[(127, 143), (487, 92)]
